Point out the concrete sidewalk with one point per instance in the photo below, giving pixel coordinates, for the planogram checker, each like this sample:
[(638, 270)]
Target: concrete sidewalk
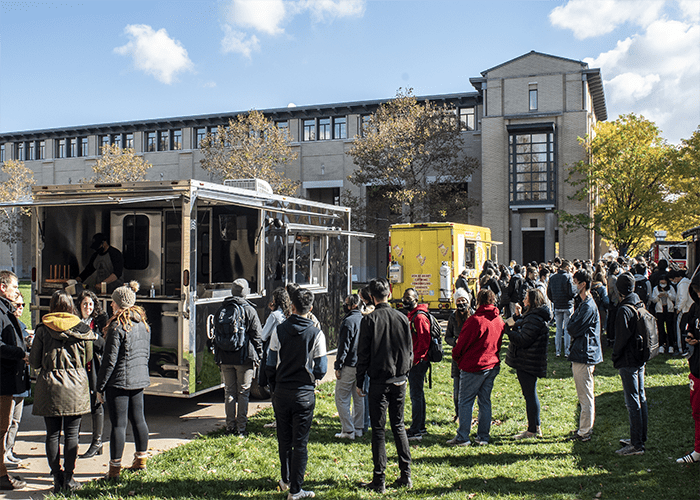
[(171, 422)]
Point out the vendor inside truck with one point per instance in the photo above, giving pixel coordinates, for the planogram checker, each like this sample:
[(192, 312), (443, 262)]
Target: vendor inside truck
[(106, 266)]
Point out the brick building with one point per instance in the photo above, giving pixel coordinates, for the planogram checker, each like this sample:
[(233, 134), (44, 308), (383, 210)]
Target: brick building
[(522, 121)]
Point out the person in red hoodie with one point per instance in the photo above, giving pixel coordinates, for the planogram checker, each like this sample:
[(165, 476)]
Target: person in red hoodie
[(476, 354), (420, 332)]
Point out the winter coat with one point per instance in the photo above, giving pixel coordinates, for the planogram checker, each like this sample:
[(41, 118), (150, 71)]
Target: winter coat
[(625, 353), (420, 332), (61, 349), (14, 372), (125, 359), (600, 295), (660, 302), (253, 350), (561, 290), (348, 339), (584, 329), (479, 342), (385, 351), (454, 326), (528, 342)]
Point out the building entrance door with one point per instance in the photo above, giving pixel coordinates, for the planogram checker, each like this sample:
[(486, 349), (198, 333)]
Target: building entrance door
[(533, 246)]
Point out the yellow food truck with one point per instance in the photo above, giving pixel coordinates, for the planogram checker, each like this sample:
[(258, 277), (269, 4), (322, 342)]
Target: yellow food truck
[(430, 256)]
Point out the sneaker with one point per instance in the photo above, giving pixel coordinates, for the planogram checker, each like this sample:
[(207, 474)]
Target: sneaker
[(661, 350), (271, 425), (8, 482), (10, 459), (480, 442), (670, 350), (283, 486), (423, 432), (457, 442), (301, 494), (414, 436), (527, 435), (403, 482), (575, 436), (629, 450), (358, 434), (688, 459), (345, 435), (625, 442)]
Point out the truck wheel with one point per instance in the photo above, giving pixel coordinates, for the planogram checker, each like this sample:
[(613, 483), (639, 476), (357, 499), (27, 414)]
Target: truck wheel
[(258, 392)]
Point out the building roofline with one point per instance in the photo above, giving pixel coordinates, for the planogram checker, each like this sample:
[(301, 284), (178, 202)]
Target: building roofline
[(585, 65), (309, 111)]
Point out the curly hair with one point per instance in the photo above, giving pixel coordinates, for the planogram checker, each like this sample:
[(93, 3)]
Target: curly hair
[(281, 300), (97, 309)]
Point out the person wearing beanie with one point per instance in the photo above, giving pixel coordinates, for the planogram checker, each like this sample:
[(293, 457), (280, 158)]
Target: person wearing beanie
[(627, 360), (454, 326), (124, 375), (237, 351)]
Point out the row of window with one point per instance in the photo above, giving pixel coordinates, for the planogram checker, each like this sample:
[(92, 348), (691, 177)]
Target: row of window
[(313, 129)]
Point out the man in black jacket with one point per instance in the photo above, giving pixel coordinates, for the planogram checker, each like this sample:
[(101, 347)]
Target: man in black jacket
[(626, 359), (385, 353), (561, 291), (238, 366), (296, 363), (14, 372)]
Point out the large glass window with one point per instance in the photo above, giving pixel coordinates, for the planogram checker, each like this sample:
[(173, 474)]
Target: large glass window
[(2, 153), (104, 142), (31, 151), (83, 146), (117, 140), (324, 129), (310, 130), (42, 150), (533, 99), (150, 141), (532, 170), (163, 140), (200, 135), (19, 151), (73, 147), (129, 140), (176, 141), (61, 149), (136, 231), (467, 118), (364, 124), (340, 127), (307, 262)]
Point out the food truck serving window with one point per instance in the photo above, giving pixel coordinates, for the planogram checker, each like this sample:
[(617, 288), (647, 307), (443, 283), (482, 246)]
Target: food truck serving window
[(307, 262), (136, 231)]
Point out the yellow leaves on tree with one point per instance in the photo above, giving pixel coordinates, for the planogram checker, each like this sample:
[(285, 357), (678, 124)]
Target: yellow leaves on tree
[(119, 165), (251, 146)]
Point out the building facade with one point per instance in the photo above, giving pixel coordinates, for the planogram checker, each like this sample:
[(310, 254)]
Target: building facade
[(522, 122)]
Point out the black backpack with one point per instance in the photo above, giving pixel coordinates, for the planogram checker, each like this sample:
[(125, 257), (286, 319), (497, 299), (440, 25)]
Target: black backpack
[(646, 334), (229, 327), (435, 352), (640, 288)]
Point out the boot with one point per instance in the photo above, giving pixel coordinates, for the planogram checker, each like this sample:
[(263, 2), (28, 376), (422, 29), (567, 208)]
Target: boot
[(58, 482), (95, 449), (140, 458), (98, 424), (115, 468), (70, 484)]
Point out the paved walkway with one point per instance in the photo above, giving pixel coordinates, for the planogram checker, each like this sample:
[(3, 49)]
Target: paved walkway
[(171, 422)]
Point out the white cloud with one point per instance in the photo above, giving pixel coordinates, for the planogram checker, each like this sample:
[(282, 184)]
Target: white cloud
[(690, 10), (237, 41), (656, 73), (155, 53), (589, 18), (268, 17)]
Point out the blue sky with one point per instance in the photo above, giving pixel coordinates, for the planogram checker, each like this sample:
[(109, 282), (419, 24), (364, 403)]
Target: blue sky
[(76, 63)]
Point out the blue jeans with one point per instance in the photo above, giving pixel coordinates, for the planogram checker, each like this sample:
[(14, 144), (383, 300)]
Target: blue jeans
[(528, 384), (471, 386), (294, 412), (416, 379), (636, 402), (561, 316)]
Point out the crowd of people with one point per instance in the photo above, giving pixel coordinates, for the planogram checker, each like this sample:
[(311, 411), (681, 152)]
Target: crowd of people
[(86, 358)]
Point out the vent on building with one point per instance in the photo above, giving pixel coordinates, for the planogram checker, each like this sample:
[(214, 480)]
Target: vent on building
[(533, 222), (257, 185)]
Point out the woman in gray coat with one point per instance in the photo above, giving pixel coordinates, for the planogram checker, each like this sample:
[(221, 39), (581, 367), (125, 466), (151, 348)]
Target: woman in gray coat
[(61, 349)]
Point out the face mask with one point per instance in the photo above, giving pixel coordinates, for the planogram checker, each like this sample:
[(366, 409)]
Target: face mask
[(462, 306), (346, 308), (408, 304)]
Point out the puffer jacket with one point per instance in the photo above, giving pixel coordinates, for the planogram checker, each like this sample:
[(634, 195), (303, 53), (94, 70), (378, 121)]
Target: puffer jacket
[(125, 359), (584, 329), (62, 347), (561, 290), (528, 342)]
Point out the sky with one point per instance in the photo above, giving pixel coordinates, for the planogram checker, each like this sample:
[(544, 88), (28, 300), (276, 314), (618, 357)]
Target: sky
[(92, 62)]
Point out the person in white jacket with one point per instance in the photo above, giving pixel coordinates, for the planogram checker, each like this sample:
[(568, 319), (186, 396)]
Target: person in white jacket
[(683, 303), (663, 298)]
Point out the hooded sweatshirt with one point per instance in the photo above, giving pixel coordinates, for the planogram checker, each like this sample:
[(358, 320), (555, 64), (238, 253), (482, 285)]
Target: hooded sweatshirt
[(480, 340), (297, 356), (420, 332), (62, 347)]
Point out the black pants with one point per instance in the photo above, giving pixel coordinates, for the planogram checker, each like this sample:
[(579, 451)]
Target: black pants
[(71, 432), (666, 325), (393, 397), (126, 406), (294, 411)]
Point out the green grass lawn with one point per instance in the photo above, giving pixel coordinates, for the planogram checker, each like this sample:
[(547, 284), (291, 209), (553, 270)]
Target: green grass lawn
[(217, 466)]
